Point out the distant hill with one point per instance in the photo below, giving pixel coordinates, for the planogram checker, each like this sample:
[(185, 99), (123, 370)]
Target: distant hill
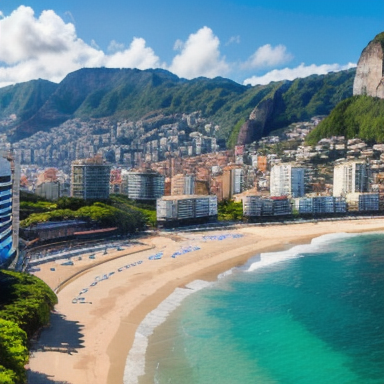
[(134, 94), (357, 116), (24, 99)]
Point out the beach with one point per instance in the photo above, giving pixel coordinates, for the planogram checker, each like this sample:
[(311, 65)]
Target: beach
[(89, 340)]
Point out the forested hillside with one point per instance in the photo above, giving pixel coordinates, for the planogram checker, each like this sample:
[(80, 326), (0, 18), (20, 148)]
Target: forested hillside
[(134, 95), (357, 116)]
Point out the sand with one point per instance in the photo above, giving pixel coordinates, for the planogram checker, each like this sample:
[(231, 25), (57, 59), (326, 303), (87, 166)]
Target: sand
[(89, 342)]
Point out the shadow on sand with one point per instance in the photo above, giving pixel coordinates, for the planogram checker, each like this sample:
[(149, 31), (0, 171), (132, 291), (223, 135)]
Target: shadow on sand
[(61, 336), (41, 378)]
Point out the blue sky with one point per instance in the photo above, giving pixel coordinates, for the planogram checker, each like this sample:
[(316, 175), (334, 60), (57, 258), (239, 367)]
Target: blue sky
[(250, 42)]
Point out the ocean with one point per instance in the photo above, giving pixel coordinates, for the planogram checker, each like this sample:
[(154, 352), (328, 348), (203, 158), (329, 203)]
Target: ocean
[(313, 314)]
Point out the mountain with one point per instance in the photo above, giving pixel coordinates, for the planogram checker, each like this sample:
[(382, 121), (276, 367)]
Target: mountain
[(24, 99), (134, 94), (369, 79)]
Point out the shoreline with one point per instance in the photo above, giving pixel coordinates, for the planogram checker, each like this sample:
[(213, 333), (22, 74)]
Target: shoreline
[(110, 324)]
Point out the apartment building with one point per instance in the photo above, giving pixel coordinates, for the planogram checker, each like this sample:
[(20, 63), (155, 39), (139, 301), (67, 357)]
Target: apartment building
[(233, 182), (350, 177), (287, 180), (90, 178), (147, 185)]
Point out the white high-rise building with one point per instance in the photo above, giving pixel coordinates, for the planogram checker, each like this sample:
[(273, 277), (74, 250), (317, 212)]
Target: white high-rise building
[(350, 177), (287, 180)]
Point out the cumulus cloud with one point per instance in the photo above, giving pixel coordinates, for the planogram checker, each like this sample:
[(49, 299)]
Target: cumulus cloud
[(136, 56), (47, 47), (199, 56), (268, 56), (293, 73)]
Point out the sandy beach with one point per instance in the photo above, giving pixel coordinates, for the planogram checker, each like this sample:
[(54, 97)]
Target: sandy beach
[(89, 340)]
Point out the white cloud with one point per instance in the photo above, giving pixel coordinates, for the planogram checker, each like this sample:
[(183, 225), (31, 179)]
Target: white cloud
[(47, 47), (268, 56), (200, 56), (293, 73), (136, 56)]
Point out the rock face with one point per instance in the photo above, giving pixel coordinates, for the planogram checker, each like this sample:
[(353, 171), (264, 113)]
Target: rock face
[(254, 128), (369, 79)]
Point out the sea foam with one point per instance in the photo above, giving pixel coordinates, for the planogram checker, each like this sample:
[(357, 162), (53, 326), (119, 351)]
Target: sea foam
[(135, 363), (269, 258)]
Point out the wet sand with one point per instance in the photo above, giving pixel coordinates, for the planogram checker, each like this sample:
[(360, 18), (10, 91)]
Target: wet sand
[(95, 339)]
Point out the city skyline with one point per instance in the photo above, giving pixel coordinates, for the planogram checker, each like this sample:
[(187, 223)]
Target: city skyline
[(250, 42)]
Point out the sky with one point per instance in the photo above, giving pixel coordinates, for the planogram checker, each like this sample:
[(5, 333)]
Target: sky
[(248, 41)]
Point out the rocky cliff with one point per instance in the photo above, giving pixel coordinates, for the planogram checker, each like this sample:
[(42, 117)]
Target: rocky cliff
[(369, 79)]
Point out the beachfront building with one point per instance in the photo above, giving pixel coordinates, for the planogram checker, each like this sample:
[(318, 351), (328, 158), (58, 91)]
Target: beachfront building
[(287, 180), (90, 179), (363, 202), (320, 205), (187, 209), (257, 206), (350, 177), (9, 210), (143, 185)]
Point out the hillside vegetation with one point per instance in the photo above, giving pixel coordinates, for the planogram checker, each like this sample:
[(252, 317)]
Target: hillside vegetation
[(134, 94), (25, 99), (357, 116)]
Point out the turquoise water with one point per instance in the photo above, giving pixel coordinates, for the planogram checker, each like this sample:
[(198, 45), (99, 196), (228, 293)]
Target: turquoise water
[(310, 315)]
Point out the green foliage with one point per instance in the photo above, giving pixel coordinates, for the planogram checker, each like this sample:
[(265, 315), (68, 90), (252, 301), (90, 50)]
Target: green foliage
[(147, 211), (311, 96), (230, 210), (25, 304), (358, 116), (380, 38), (13, 352), (72, 203), (234, 134), (118, 211), (7, 376), (25, 99)]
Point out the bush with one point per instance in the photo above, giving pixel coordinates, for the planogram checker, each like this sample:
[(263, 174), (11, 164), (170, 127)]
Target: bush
[(13, 353), (230, 210)]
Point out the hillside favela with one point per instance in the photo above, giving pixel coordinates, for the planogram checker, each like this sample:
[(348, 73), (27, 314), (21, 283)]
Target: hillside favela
[(164, 227)]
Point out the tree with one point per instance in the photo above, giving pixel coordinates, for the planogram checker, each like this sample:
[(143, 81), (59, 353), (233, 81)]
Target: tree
[(13, 352)]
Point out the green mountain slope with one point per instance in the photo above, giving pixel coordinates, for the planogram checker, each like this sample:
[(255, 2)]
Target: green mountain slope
[(134, 94), (25, 99), (357, 116)]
